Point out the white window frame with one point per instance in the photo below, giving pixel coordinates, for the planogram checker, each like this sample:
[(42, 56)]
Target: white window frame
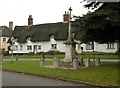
[(15, 47), (89, 46), (52, 37), (54, 46), (4, 40), (110, 46), (28, 38), (29, 47), (39, 47), (21, 47), (16, 39)]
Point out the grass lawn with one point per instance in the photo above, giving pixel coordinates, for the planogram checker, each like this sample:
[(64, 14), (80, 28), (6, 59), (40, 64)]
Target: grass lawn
[(105, 56), (106, 74), (36, 56)]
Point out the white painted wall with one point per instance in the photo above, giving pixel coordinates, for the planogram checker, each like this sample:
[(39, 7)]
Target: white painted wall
[(103, 48), (99, 47), (46, 46), (61, 46)]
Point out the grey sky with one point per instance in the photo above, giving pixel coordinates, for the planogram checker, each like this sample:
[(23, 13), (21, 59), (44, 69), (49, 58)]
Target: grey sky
[(43, 11)]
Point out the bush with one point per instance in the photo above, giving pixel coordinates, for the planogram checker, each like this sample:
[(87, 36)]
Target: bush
[(96, 53), (5, 53), (62, 52), (117, 53), (30, 53), (39, 53), (53, 52)]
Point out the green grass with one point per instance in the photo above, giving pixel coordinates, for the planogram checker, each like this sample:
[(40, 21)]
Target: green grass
[(106, 74), (35, 56), (99, 56), (106, 56)]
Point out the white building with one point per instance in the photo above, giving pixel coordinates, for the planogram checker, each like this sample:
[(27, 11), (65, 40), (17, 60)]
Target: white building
[(5, 33), (51, 36)]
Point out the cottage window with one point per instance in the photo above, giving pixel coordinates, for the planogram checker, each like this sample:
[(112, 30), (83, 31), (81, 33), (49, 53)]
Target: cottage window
[(20, 47), (16, 39), (89, 46), (53, 46), (29, 39), (29, 47), (15, 47), (39, 47), (110, 46), (4, 39), (52, 37)]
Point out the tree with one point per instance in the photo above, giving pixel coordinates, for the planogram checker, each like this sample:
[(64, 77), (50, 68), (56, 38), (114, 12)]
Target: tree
[(101, 26)]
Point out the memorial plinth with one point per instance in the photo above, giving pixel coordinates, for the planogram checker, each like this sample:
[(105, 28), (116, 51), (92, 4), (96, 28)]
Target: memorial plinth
[(70, 50)]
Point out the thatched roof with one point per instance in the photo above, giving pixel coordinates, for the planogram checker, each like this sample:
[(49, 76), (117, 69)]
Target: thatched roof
[(20, 32), (6, 32), (41, 32)]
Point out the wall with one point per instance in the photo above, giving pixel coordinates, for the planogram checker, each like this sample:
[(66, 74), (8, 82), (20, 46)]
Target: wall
[(46, 46), (103, 48), (4, 43)]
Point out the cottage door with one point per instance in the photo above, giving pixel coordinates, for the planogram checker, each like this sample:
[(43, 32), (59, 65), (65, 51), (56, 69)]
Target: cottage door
[(35, 49)]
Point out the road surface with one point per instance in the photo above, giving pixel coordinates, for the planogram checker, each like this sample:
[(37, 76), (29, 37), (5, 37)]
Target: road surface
[(17, 79)]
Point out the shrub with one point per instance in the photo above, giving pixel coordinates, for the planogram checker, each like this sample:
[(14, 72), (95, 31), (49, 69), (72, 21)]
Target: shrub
[(117, 53), (53, 52), (30, 53), (5, 53), (96, 53), (39, 53)]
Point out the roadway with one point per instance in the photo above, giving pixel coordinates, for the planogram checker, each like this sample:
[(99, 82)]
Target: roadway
[(18, 79)]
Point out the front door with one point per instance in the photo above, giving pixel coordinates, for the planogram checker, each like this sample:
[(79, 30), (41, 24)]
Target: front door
[(35, 49)]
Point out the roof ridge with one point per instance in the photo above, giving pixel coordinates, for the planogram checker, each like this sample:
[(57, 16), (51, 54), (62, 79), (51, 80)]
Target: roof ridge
[(48, 23)]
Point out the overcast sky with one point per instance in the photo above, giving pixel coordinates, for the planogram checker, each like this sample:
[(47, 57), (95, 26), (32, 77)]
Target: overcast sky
[(43, 11)]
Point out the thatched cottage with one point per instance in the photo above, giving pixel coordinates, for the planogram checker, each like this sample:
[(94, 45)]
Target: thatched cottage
[(51, 36)]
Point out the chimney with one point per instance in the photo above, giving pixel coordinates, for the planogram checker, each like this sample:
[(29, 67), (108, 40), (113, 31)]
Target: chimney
[(11, 25), (66, 17), (30, 20)]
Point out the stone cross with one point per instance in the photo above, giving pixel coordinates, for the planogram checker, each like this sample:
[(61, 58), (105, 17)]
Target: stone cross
[(70, 44)]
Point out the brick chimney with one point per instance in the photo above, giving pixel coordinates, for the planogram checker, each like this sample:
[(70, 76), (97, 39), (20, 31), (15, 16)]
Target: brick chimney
[(66, 17), (11, 25), (30, 20)]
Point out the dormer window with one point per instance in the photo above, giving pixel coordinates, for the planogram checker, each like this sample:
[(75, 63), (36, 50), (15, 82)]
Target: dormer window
[(28, 38), (52, 37), (12, 40), (15, 39)]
